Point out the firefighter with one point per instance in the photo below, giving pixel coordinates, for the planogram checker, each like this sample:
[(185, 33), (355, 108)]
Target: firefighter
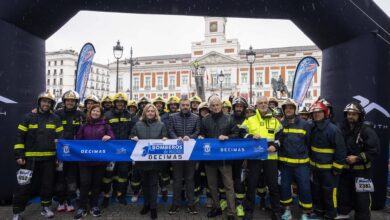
[(203, 109), (273, 103), (67, 175), (239, 106), (35, 154), (226, 107), (106, 103), (362, 147), (160, 105), (132, 107), (304, 114), (120, 121), (142, 102), (263, 125), (89, 102), (195, 102), (294, 142), (327, 158), (250, 111)]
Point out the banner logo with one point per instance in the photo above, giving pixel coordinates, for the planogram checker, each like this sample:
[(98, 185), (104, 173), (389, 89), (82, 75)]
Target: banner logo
[(368, 107), (206, 149), (65, 149)]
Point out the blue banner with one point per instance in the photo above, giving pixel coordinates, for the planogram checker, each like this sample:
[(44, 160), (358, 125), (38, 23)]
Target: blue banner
[(84, 68), (304, 74), (159, 150)]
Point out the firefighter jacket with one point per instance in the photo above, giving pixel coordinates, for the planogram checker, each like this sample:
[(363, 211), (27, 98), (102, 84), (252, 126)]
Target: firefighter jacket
[(361, 141), (71, 121), (266, 126), (36, 135), (120, 123), (327, 150), (294, 141)]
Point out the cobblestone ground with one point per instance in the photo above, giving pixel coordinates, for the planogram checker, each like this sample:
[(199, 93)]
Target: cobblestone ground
[(131, 212)]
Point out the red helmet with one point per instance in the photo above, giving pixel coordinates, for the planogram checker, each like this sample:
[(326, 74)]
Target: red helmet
[(319, 106)]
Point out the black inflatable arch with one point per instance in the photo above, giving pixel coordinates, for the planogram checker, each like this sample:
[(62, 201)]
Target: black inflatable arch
[(354, 36)]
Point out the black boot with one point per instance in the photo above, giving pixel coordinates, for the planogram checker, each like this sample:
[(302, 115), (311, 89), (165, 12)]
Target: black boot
[(153, 213), (144, 210)]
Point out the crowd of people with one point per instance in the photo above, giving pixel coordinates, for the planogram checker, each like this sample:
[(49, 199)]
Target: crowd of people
[(326, 163)]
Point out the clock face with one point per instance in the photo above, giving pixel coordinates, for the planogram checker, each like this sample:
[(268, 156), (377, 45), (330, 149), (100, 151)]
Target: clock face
[(213, 27)]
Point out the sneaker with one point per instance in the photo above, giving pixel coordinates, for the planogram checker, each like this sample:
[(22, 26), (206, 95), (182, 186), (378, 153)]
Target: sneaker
[(339, 216), (80, 214), (17, 217), (122, 199), (47, 212), (240, 211), (69, 207), (192, 210), (287, 215), (106, 202), (164, 194), (223, 204), (134, 198), (95, 212), (214, 212), (173, 209), (209, 203), (61, 207), (144, 210)]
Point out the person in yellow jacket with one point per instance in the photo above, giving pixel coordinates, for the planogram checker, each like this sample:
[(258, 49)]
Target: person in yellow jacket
[(263, 125)]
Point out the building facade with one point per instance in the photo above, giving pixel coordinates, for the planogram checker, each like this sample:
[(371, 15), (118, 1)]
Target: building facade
[(169, 75), (61, 71)]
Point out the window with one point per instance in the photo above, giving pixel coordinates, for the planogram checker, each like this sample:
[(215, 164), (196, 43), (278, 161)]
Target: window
[(54, 81), (62, 62), (227, 80), (97, 71), (48, 63), (275, 75), (172, 81), (159, 82), (60, 91), (147, 83), (55, 72), (55, 63), (48, 72), (61, 71), (259, 78), (120, 84), (136, 83), (136, 96), (48, 82), (184, 80), (308, 94), (244, 78), (60, 81), (290, 78)]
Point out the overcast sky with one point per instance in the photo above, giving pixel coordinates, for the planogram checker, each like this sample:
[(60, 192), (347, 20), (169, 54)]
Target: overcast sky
[(170, 35)]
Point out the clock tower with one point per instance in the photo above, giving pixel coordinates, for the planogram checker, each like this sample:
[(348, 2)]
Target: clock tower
[(215, 29)]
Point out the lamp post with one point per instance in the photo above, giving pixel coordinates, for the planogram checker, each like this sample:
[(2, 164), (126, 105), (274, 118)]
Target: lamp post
[(198, 72), (221, 78), (118, 52), (250, 58), (132, 62)]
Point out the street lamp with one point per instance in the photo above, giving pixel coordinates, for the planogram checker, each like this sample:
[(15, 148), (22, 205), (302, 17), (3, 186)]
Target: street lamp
[(221, 78), (250, 57), (132, 63), (118, 52), (198, 72)]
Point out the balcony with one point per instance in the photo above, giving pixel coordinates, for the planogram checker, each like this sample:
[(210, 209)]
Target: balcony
[(148, 88), (135, 88), (159, 87), (171, 87)]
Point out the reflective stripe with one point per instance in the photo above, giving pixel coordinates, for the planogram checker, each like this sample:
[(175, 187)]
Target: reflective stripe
[(291, 160), (64, 122), (32, 126), (337, 165), (121, 180), (240, 195), (334, 197), (76, 122), (262, 190), (286, 201), (135, 183), (322, 150), (357, 167), (113, 120), (50, 126), (294, 130), (45, 202), (270, 139), (106, 180), (40, 154), (363, 156), (321, 166), (59, 129), (124, 119), (306, 206), (272, 156), (22, 128), (19, 146)]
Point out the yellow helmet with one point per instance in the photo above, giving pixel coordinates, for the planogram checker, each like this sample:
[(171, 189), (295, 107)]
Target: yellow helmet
[(158, 99), (173, 100), (106, 98), (203, 105), (47, 95), (196, 99), (226, 103), (120, 96), (92, 98), (132, 103), (71, 94)]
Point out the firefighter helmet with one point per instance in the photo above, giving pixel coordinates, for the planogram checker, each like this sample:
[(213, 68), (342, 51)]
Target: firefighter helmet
[(120, 96), (106, 98), (203, 105), (71, 94), (277, 112), (159, 99), (173, 100), (226, 104), (195, 99), (92, 98), (47, 95), (239, 100), (290, 102), (143, 100), (319, 106), (274, 100), (355, 107), (132, 103), (304, 111)]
